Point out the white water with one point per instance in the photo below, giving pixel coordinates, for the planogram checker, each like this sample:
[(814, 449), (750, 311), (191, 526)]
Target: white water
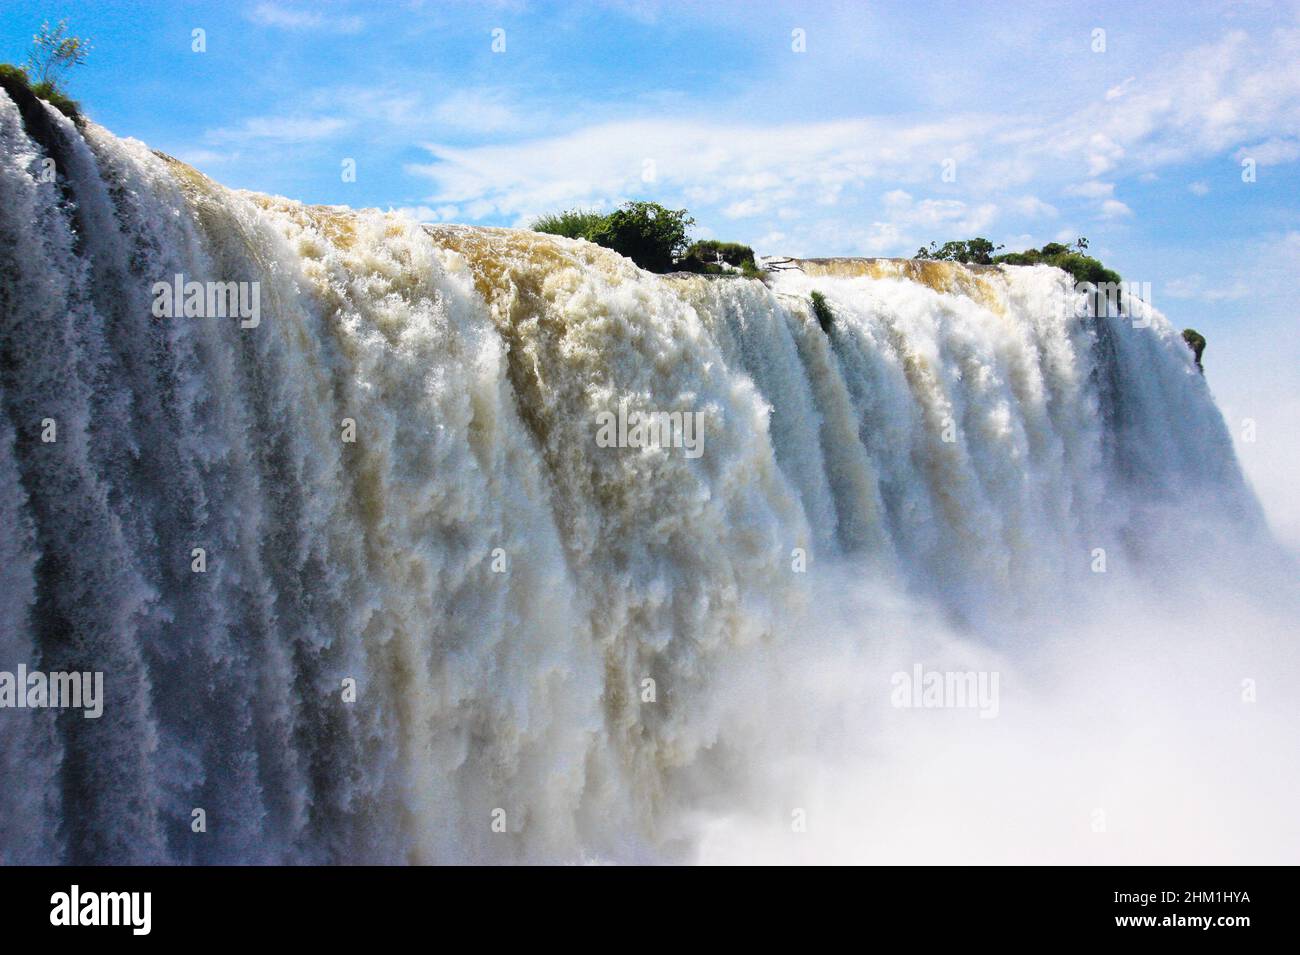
[(474, 363)]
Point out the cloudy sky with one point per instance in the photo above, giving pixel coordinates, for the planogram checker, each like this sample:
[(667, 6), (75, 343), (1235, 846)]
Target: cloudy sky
[(801, 128)]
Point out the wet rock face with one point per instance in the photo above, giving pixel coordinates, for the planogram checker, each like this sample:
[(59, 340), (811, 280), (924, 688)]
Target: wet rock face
[(37, 122)]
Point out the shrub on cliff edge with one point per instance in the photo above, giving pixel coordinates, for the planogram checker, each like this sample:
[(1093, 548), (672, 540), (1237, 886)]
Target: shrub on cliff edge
[(46, 91), (572, 223), (1196, 342)]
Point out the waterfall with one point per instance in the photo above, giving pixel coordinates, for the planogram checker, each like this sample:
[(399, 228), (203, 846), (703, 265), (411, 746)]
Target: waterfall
[(364, 587)]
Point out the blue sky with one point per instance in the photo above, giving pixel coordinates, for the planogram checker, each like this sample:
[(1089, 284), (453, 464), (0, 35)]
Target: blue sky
[(836, 150)]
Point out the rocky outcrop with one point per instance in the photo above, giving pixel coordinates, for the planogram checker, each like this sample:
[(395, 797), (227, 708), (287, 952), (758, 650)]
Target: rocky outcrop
[(1196, 342)]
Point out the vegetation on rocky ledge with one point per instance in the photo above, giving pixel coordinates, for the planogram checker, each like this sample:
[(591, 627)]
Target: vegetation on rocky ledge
[(712, 257), (54, 52), (1196, 342), (653, 237), (572, 224), (11, 76), (977, 251), (1070, 258), (822, 309), (649, 234)]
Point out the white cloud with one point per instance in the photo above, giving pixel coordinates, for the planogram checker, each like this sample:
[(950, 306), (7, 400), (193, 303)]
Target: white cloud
[(801, 173), (205, 157), (294, 18), (1115, 92), (1092, 189), (1204, 102), (279, 129), (1031, 207), (1195, 287), (1199, 188), (935, 215), (745, 208), (1114, 209), (1104, 154), (743, 168), (1271, 152), (476, 111)]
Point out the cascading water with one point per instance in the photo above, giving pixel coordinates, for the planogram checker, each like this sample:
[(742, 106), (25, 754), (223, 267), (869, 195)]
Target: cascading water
[(392, 479)]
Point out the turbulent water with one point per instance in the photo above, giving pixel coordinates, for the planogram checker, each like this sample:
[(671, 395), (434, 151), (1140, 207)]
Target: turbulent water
[(394, 479)]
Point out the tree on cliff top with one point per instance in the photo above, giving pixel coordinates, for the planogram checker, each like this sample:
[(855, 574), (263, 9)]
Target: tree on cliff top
[(54, 52), (977, 251), (649, 234)]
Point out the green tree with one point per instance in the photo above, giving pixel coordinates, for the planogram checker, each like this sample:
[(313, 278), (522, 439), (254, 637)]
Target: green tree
[(977, 251), (650, 235), (54, 52)]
